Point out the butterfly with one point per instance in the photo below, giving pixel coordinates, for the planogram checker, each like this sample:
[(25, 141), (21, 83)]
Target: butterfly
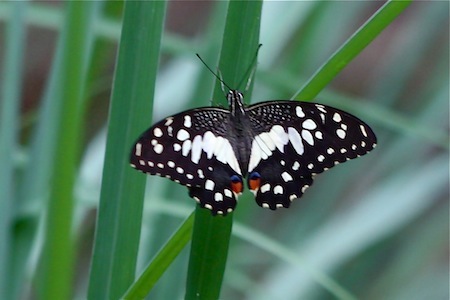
[(275, 146)]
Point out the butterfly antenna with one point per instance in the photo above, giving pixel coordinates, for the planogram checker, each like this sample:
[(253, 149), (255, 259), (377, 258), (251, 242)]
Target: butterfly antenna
[(250, 71), (222, 83)]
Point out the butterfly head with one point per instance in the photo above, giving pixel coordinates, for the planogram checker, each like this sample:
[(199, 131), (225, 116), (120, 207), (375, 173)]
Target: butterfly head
[(236, 102)]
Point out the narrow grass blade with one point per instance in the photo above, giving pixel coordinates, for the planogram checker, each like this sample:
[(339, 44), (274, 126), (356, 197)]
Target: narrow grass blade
[(211, 234), (120, 212), (10, 86), (57, 253), (161, 261), (351, 48), (288, 255)]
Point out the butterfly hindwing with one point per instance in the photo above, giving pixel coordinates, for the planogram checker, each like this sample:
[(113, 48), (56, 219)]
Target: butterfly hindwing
[(189, 148), (296, 140)]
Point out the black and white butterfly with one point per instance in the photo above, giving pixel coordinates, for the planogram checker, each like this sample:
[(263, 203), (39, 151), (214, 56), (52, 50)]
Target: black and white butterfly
[(277, 146)]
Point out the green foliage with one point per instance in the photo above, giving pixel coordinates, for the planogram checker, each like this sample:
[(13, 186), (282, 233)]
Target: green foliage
[(121, 200), (373, 228)]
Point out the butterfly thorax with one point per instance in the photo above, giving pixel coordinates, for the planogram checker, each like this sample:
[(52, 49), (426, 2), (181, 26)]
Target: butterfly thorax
[(240, 132)]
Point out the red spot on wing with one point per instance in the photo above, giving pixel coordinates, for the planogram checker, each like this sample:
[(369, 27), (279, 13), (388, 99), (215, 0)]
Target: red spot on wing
[(237, 187), (254, 184)]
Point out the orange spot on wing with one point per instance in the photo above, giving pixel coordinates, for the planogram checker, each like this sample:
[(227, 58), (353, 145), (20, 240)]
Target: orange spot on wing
[(254, 184), (237, 187)]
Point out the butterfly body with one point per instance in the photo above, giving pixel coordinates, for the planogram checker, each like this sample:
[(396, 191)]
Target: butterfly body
[(277, 146)]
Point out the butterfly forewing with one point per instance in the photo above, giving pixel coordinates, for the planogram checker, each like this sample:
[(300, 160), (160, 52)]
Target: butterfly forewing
[(190, 148), (296, 140)]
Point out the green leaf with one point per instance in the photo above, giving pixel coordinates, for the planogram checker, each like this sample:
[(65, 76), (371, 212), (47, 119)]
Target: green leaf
[(351, 48), (210, 239), (10, 102), (57, 253), (161, 261), (120, 212)]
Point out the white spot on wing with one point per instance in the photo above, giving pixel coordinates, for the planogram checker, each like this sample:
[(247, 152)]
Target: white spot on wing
[(209, 185), (296, 140), (286, 176), (279, 137), (157, 132), (363, 130), (309, 124), (267, 140), (262, 147), (187, 144), (225, 154), (158, 148), (299, 112), (295, 166), (182, 135), (187, 121), (196, 150), (321, 108), (265, 188), (169, 121), (138, 151), (307, 136), (218, 197), (337, 117), (322, 117), (209, 140), (340, 133), (228, 193), (264, 144), (278, 189), (304, 188)]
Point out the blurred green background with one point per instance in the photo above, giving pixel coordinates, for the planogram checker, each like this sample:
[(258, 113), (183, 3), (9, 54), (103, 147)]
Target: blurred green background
[(378, 225)]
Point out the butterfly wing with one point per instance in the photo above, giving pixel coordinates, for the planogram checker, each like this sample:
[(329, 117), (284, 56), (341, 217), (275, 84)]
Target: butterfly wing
[(190, 148), (294, 141)]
